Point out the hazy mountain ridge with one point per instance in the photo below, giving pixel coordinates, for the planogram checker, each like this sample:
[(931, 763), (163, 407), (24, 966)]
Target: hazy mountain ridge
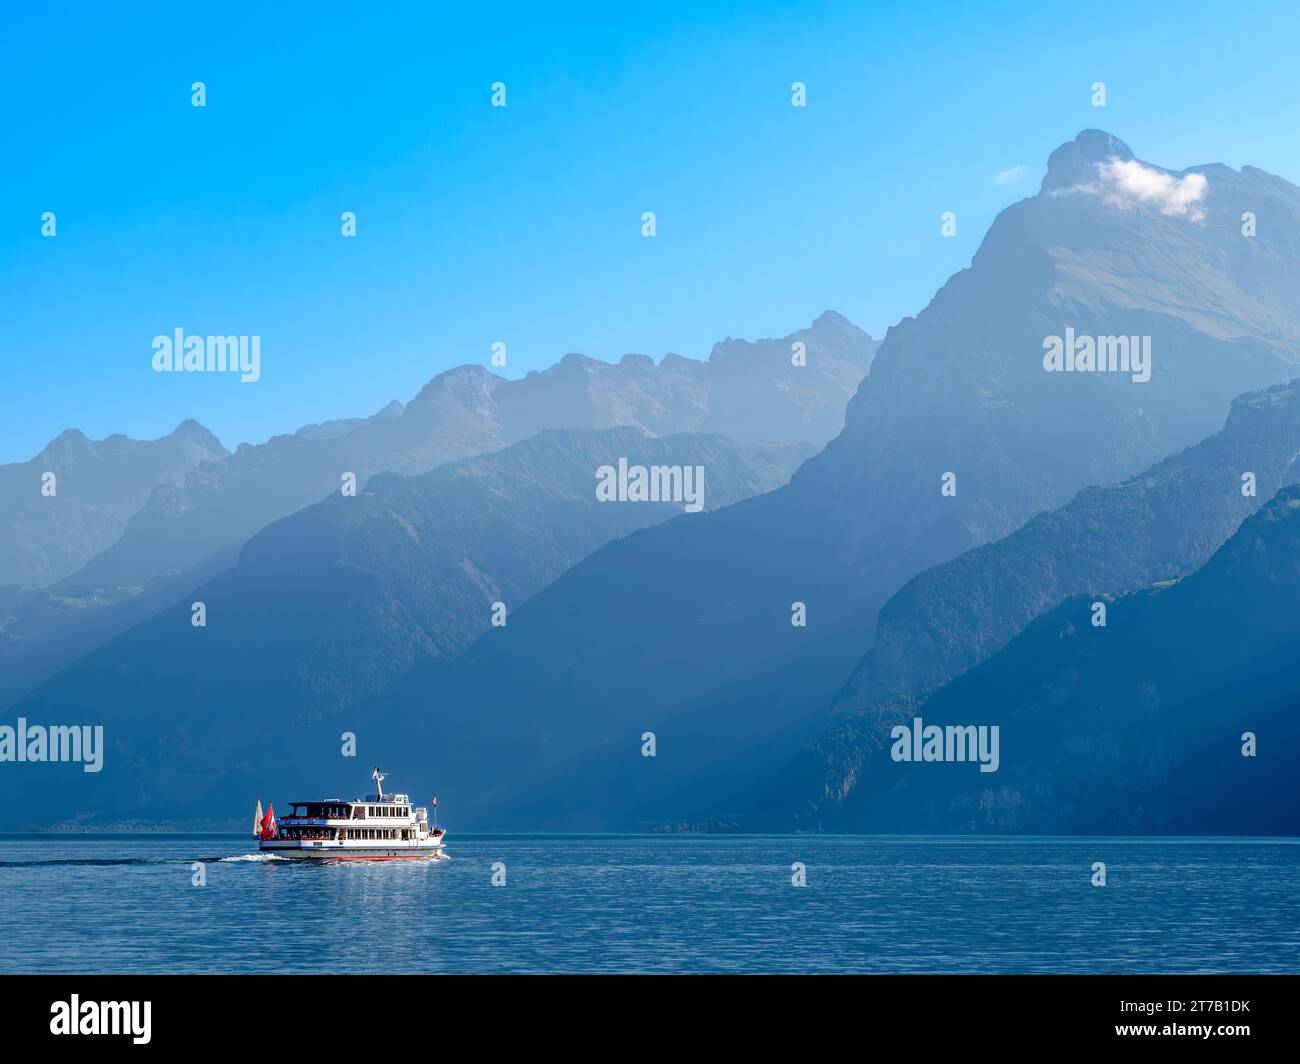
[(470, 410), (98, 485), (186, 532), (327, 606), (1160, 525)]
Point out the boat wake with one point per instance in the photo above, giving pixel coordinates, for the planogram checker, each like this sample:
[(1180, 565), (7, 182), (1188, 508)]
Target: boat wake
[(116, 862), (91, 862), (251, 857)]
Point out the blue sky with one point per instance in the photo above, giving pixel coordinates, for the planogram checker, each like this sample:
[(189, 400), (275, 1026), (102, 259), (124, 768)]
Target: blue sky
[(522, 224)]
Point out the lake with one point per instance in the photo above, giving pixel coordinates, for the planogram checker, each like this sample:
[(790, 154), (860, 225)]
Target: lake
[(94, 903)]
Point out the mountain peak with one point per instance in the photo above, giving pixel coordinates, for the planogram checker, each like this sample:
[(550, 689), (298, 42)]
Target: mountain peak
[(458, 381), (831, 319), (1074, 161), (68, 443), (575, 361), (191, 430)]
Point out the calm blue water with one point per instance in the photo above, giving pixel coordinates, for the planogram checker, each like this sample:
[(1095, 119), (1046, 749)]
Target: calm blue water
[(634, 904)]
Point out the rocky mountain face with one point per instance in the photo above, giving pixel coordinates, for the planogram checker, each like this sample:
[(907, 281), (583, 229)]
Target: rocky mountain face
[(50, 528), (1177, 716), (748, 390), (1160, 525), (329, 605)]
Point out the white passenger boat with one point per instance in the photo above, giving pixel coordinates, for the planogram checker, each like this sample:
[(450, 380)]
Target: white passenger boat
[(379, 827)]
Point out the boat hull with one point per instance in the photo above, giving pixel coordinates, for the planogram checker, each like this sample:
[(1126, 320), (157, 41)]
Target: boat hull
[(326, 851)]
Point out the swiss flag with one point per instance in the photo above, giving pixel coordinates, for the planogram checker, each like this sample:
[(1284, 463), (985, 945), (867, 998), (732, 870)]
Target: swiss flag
[(268, 825)]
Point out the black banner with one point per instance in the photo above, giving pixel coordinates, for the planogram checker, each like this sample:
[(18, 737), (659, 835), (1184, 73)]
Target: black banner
[(1227, 1014)]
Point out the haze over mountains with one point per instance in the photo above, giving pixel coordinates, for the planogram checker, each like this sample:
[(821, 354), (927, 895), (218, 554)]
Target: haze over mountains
[(748, 391), (98, 486), (192, 527), (329, 605), (957, 437), (685, 629), (44, 629), (1160, 525)]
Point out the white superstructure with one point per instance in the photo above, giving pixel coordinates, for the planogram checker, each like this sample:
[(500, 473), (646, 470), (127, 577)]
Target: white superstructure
[(379, 827)]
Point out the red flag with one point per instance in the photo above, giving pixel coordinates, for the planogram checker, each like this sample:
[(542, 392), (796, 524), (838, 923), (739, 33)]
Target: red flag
[(435, 801), (268, 825)]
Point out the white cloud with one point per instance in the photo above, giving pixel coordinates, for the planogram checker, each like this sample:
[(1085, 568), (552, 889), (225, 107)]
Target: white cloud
[(1007, 177), (1126, 183)]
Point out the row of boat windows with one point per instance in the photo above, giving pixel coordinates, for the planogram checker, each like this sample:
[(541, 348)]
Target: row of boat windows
[(347, 833), (343, 812)]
